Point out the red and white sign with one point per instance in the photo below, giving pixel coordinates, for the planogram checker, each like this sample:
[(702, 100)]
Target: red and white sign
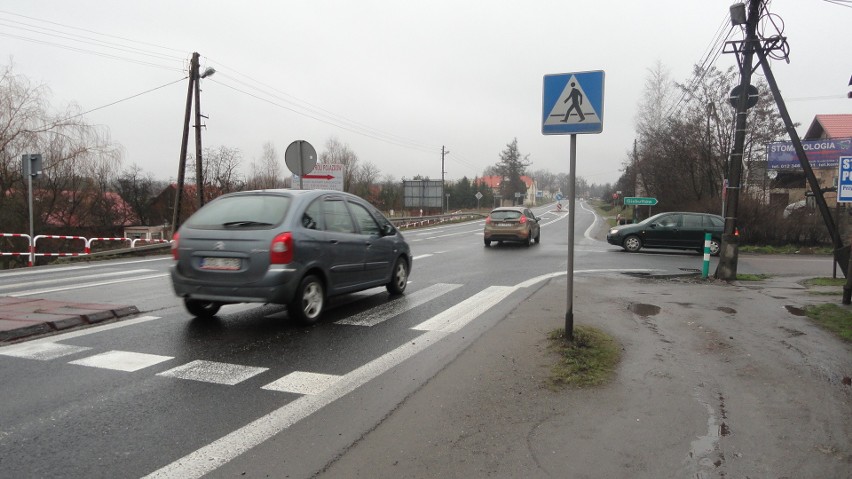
[(325, 176)]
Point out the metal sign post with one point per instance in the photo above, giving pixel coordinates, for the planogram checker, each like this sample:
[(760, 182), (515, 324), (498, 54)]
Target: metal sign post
[(572, 103), (301, 158), (31, 167)]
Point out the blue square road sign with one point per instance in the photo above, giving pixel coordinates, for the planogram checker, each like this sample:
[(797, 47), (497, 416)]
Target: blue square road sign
[(573, 103)]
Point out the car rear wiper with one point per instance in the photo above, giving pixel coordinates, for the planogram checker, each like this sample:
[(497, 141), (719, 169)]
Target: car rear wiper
[(239, 224)]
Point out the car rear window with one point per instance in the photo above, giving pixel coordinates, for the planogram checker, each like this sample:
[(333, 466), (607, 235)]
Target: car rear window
[(505, 215), (244, 211), (714, 221)]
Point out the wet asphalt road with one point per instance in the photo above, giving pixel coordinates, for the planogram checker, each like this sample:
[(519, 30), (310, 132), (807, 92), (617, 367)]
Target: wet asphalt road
[(167, 395)]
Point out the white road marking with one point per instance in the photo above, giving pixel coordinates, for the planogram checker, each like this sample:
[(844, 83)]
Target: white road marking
[(462, 313), (41, 351), (301, 382), (421, 256), (31, 284), (212, 456), (122, 360), (213, 372), (76, 334), (398, 306), (87, 285)]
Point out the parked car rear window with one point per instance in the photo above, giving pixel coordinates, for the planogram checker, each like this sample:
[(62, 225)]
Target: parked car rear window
[(245, 211), (505, 215)]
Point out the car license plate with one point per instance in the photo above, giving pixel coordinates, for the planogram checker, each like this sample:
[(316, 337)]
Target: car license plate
[(504, 225), (221, 264)]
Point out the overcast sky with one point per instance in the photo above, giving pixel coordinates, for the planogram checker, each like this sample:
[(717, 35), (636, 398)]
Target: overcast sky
[(395, 80)]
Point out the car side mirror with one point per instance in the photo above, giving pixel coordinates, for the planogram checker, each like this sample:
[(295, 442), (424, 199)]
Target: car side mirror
[(653, 225), (388, 229)]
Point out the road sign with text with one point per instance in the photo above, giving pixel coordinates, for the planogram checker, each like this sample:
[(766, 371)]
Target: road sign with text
[(844, 180), (639, 201)]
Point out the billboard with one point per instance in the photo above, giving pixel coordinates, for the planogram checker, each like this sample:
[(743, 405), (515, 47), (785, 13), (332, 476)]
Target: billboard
[(423, 193), (826, 153)]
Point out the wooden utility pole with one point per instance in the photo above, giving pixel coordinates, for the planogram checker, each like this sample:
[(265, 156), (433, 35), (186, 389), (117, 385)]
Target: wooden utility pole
[(193, 76)]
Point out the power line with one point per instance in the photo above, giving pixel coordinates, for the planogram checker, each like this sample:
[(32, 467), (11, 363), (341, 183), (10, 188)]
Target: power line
[(326, 121), (91, 31), (51, 125)]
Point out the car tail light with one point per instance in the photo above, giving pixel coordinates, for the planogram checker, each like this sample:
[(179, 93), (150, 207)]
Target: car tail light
[(523, 220), (488, 220), (175, 246), (281, 249)]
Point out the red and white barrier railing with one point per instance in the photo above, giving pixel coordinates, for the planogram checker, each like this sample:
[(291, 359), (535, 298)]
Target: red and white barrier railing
[(28, 253), (87, 245)]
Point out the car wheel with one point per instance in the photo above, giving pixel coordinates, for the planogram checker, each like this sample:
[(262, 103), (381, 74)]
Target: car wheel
[(399, 277), (538, 237), (487, 242), (632, 243), (306, 307), (201, 309), (715, 247)]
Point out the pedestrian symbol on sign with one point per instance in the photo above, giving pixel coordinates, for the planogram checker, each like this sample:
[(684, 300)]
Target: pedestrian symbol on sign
[(571, 106)]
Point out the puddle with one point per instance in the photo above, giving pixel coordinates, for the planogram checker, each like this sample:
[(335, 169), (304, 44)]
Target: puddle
[(795, 310), (727, 310), (644, 310)]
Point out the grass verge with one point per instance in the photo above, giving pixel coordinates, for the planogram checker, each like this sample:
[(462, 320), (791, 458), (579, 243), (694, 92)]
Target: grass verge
[(752, 277), (589, 360), (832, 317)]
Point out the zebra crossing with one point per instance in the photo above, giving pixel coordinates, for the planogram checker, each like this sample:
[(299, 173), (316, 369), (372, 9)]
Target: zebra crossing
[(228, 374)]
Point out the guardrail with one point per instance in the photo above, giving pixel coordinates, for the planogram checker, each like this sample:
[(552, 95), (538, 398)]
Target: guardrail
[(31, 244), (420, 221)]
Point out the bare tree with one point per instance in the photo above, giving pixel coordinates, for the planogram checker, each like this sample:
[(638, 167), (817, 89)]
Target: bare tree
[(339, 153), (266, 173), (222, 171)]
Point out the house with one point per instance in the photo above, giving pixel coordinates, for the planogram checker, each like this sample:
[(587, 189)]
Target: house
[(495, 181)]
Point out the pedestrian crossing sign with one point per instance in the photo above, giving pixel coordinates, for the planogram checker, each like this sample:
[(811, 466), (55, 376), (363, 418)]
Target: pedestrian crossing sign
[(573, 103)]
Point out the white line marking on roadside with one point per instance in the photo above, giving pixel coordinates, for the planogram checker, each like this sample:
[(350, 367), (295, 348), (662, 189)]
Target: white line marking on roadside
[(122, 360), (87, 285), (462, 313), (76, 278), (301, 382), (421, 256), (212, 456)]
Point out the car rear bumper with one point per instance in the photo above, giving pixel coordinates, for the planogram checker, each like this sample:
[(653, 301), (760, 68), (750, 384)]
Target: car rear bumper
[(277, 286)]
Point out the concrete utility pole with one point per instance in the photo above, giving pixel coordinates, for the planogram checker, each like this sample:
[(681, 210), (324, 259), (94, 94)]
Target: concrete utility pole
[(199, 168), (727, 268), (195, 77), (193, 74), (443, 153)]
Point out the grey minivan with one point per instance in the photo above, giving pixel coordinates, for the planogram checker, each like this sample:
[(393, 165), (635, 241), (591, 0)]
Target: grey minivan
[(291, 247)]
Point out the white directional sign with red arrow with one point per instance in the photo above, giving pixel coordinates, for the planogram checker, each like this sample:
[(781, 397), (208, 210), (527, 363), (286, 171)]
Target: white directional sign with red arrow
[(325, 176)]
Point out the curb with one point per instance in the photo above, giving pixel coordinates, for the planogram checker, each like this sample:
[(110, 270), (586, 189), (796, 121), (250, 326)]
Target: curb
[(24, 318)]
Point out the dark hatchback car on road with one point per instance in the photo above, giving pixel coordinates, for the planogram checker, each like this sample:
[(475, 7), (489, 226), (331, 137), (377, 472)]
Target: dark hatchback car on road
[(673, 230), (291, 247)]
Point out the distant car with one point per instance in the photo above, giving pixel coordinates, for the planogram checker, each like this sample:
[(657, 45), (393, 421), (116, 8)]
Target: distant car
[(512, 224), (291, 247), (674, 230)]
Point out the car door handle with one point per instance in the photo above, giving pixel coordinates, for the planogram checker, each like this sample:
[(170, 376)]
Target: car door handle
[(334, 241)]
